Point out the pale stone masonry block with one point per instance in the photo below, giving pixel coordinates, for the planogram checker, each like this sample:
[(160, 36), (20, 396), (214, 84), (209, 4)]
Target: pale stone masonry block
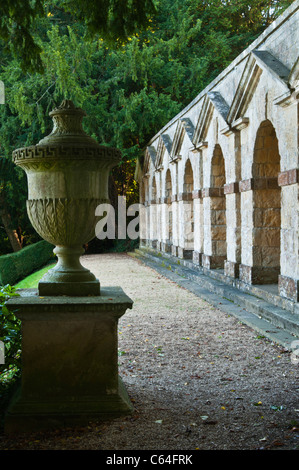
[(289, 203)]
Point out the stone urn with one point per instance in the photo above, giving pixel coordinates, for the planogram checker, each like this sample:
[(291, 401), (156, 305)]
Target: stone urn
[(67, 174)]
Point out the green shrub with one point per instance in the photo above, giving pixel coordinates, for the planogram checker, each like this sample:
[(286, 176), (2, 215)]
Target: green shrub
[(10, 335), (31, 281), (10, 332), (16, 266)]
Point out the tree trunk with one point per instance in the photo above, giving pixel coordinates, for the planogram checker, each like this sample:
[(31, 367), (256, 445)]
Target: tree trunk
[(10, 231)]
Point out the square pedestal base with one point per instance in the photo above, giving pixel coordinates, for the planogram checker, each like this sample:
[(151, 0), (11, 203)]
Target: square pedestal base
[(69, 360)]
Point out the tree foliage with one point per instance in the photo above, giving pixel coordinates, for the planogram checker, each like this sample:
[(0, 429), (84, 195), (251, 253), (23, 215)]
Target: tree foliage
[(113, 19), (131, 81), (17, 17), (12, 203)]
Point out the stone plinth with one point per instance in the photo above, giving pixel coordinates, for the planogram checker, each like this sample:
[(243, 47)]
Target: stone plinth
[(69, 360), (288, 288)]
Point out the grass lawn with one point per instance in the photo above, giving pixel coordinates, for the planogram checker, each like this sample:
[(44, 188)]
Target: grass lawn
[(32, 280)]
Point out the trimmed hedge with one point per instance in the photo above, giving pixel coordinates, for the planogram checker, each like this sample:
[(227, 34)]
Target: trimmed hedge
[(16, 266)]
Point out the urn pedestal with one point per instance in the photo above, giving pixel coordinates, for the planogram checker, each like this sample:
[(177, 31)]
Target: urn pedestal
[(69, 325)]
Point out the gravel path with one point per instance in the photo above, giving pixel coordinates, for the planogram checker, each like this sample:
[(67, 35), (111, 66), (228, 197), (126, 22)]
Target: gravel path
[(197, 377)]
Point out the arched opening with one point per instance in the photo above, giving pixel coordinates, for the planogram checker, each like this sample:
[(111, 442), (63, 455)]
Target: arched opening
[(218, 210), (188, 228), (266, 206), (168, 195)]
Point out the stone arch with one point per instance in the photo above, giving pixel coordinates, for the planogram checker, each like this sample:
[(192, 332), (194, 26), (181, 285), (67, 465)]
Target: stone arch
[(218, 210), (266, 206)]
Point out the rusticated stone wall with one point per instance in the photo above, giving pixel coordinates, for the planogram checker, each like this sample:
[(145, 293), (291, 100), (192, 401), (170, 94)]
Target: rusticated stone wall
[(220, 180)]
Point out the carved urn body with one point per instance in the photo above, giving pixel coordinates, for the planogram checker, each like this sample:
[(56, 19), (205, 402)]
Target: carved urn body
[(67, 175)]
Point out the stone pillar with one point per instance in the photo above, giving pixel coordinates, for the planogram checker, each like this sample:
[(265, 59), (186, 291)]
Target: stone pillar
[(69, 360), (166, 219), (159, 224), (288, 280), (186, 241), (167, 226), (245, 268), (175, 216), (143, 212), (231, 264), (175, 207), (148, 222), (153, 224)]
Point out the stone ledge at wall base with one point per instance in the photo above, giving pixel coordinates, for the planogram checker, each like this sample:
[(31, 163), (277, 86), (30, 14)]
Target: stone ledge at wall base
[(280, 316), (69, 360)]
